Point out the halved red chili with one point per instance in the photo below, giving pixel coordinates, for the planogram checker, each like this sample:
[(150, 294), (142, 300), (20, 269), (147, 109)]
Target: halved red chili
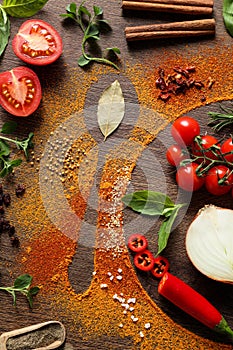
[(161, 265), (144, 260), (137, 243)]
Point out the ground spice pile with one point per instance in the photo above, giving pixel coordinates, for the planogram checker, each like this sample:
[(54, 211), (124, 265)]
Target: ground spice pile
[(115, 303)]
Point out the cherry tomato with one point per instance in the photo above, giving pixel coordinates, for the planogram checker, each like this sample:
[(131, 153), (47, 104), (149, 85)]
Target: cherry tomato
[(161, 265), (137, 243), (37, 42), (184, 130), (175, 155), (144, 260), (187, 178), (226, 148), (206, 142), (20, 91), (219, 180)]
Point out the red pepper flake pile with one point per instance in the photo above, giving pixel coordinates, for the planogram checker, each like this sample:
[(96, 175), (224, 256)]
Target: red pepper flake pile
[(179, 82)]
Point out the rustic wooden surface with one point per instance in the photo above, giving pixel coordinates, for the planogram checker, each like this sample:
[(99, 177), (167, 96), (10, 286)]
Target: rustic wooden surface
[(221, 295)]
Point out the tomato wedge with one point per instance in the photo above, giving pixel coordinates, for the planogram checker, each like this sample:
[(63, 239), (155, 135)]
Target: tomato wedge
[(137, 243), (37, 42), (20, 91), (144, 260), (161, 265)]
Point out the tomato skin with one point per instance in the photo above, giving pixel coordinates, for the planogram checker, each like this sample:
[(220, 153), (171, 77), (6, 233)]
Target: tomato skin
[(161, 266), (227, 147), (137, 243), (20, 91), (206, 141), (35, 33), (184, 130), (187, 178), (214, 175), (144, 260), (175, 155)]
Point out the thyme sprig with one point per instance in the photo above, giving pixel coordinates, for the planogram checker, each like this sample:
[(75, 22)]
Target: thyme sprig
[(90, 24), (220, 120)]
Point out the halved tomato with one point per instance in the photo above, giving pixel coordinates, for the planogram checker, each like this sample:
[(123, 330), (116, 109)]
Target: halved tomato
[(37, 42), (20, 91)]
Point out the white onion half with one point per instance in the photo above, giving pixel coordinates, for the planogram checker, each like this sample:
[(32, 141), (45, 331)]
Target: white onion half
[(209, 243)]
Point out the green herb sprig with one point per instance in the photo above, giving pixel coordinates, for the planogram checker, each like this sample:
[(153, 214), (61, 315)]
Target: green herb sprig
[(6, 163), (220, 120), (22, 284), (90, 24), (15, 8), (157, 204)]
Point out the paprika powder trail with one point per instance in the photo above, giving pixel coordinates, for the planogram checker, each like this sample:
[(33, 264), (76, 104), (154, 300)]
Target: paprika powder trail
[(193, 303)]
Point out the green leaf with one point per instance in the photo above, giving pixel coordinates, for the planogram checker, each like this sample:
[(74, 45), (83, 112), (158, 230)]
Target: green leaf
[(97, 10), (23, 8), (93, 30), (111, 109), (72, 8), (4, 30), (34, 290), (23, 281), (83, 61), (26, 144), (148, 202), (4, 148), (114, 49), (4, 171), (228, 15), (166, 228), (82, 10), (14, 163), (9, 127)]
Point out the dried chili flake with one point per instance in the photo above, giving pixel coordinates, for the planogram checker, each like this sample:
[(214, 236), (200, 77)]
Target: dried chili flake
[(177, 83)]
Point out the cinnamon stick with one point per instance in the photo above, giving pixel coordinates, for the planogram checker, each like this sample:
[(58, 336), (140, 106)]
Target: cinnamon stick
[(153, 5), (171, 30), (205, 3)]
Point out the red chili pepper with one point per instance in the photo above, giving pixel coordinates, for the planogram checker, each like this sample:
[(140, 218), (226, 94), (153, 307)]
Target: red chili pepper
[(137, 243), (144, 260), (193, 303), (161, 265)]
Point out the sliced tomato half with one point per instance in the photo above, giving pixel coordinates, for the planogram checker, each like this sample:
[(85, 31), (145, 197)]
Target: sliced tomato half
[(20, 91), (37, 42)]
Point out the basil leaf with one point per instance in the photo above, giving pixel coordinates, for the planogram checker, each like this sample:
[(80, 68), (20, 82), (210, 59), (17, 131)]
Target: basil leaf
[(23, 8), (166, 228), (228, 15), (114, 49), (4, 30), (23, 281), (9, 127), (148, 202), (93, 30)]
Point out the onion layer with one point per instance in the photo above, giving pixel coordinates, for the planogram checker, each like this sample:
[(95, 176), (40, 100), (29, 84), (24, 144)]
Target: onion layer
[(209, 243)]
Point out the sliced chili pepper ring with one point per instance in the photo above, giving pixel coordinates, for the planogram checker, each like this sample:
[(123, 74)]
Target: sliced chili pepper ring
[(137, 243), (161, 266), (144, 260)]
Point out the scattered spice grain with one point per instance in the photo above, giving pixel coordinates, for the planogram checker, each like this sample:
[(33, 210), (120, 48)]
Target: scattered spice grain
[(95, 310)]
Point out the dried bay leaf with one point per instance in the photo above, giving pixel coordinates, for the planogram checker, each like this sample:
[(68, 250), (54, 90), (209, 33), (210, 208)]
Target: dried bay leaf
[(111, 109)]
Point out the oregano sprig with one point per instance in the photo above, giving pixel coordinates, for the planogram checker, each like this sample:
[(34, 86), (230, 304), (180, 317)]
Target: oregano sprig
[(6, 163), (156, 204), (22, 284), (90, 24)]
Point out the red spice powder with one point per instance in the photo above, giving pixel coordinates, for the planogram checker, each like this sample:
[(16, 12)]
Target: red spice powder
[(99, 311)]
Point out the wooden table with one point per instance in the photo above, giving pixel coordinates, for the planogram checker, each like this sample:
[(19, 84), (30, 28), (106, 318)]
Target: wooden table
[(151, 171)]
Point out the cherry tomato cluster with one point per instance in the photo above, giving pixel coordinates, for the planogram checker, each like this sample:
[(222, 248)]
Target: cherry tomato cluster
[(36, 43), (144, 259), (200, 159)]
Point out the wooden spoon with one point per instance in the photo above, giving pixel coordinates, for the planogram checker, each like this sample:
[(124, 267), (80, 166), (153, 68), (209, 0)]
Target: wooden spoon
[(17, 332)]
